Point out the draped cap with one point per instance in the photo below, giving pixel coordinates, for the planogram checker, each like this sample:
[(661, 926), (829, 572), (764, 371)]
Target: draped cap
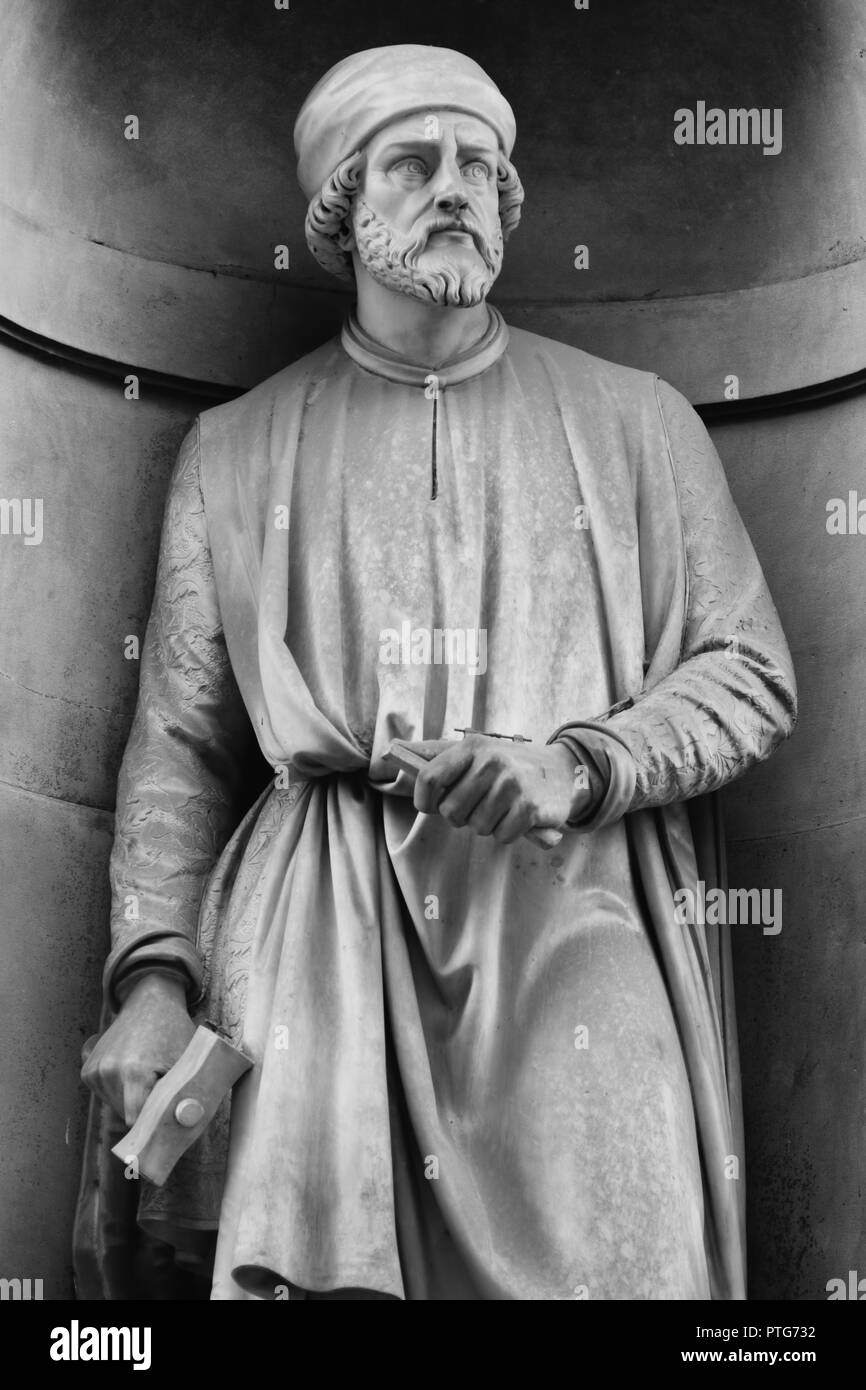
[(368, 90)]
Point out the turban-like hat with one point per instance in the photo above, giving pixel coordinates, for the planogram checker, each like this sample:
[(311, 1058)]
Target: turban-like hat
[(368, 90)]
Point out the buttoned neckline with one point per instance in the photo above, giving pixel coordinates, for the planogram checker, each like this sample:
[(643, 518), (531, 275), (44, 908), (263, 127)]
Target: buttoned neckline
[(383, 361)]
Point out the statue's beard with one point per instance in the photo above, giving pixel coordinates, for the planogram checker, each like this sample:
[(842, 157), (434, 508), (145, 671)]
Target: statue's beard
[(392, 259)]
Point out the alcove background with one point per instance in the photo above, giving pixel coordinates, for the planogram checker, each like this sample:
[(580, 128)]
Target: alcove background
[(156, 256)]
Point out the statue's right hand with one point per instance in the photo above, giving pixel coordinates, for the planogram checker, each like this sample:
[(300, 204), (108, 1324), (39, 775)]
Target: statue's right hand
[(148, 1036)]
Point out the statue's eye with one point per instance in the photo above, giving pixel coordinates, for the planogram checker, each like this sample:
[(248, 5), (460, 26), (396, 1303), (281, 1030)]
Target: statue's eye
[(477, 171), (415, 168)]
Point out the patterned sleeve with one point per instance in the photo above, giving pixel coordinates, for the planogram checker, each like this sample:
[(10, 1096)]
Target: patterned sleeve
[(732, 699), (178, 783)]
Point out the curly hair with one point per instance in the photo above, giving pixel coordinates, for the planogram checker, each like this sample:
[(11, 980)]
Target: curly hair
[(328, 229)]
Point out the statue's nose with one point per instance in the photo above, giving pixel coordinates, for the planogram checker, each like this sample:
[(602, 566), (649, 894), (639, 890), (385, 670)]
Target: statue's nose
[(450, 199), (449, 195)]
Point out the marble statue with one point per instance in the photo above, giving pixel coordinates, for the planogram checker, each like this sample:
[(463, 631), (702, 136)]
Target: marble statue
[(490, 1061)]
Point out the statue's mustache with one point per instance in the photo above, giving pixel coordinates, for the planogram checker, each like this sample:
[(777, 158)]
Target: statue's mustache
[(417, 243), (451, 224)]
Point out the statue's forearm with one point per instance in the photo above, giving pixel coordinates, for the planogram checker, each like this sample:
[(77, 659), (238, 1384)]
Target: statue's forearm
[(176, 791), (707, 723), (712, 719), (732, 698)]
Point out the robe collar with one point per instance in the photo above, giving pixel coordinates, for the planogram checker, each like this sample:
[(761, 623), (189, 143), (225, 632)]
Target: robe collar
[(375, 357)]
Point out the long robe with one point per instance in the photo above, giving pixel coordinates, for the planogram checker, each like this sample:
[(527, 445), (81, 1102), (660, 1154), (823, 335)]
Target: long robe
[(481, 1071)]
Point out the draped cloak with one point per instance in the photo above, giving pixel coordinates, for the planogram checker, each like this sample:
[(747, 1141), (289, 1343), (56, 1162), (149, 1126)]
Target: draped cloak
[(481, 1071)]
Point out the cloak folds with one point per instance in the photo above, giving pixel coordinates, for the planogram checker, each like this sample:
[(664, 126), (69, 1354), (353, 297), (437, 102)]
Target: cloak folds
[(421, 1121)]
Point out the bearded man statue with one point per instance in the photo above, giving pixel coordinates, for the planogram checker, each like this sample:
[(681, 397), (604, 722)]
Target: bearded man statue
[(491, 1060)]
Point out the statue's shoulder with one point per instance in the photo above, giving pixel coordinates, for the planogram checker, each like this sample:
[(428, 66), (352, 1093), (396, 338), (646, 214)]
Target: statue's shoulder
[(589, 378), (225, 428)]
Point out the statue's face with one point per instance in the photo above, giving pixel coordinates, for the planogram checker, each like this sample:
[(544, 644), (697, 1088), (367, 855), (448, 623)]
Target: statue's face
[(426, 217)]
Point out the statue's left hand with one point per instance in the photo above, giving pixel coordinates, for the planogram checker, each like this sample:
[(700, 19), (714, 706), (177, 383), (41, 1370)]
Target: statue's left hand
[(149, 1034), (497, 787)]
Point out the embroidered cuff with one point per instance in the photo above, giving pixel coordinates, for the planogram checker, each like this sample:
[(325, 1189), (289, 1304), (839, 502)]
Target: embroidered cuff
[(128, 977), (157, 949), (610, 765)]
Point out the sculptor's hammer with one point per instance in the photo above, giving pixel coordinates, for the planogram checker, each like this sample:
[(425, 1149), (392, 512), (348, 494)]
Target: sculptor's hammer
[(181, 1104)]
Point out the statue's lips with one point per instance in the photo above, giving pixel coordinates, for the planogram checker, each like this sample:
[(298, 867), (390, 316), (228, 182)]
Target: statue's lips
[(457, 234)]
